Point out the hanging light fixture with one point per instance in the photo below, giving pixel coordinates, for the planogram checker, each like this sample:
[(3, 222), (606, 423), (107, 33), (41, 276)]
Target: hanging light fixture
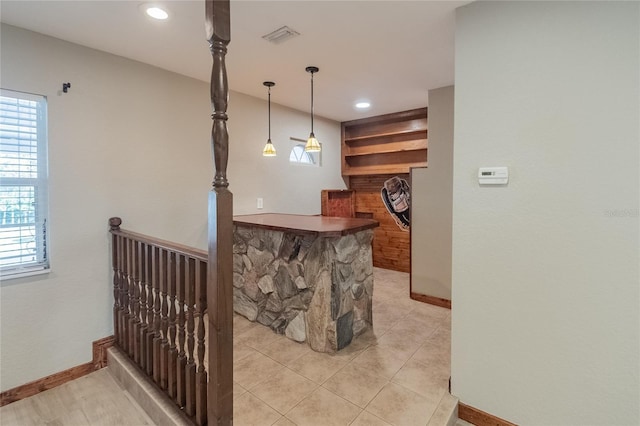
[(269, 150), (312, 143)]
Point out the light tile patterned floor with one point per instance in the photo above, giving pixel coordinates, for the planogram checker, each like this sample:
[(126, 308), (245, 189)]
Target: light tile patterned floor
[(395, 374), (95, 399)]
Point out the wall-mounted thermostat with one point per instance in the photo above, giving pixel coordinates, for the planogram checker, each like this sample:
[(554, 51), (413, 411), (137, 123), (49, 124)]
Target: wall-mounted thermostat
[(493, 175)]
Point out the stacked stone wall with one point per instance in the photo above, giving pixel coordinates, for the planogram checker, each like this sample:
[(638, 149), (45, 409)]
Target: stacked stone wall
[(310, 288)]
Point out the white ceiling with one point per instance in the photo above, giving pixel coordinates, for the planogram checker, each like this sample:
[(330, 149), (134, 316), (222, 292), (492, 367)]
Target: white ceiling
[(388, 52)]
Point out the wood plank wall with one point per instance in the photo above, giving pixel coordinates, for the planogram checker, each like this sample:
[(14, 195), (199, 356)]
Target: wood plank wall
[(391, 245)]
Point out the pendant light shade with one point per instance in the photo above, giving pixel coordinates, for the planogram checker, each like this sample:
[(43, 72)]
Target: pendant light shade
[(269, 150), (312, 143)]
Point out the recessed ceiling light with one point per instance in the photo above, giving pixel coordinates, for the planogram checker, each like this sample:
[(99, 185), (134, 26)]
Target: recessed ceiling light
[(363, 105), (155, 11)]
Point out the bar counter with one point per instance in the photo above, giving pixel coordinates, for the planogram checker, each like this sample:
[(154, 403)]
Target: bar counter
[(325, 226), (307, 277)]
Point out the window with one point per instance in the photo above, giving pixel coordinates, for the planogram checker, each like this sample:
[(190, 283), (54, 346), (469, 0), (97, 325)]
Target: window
[(300, 156), (23, 184)]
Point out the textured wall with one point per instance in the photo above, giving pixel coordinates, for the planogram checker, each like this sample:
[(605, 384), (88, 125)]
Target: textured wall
[(545, 319)]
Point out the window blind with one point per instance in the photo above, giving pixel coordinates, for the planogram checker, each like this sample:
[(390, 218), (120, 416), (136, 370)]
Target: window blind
[(23, 183)]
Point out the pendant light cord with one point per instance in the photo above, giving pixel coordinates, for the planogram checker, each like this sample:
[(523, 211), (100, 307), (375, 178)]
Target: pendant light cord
[(269, 113), (312, 102), (312, 144)]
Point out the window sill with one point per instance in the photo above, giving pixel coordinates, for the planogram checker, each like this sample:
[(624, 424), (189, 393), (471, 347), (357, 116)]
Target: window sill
[(24, 274)]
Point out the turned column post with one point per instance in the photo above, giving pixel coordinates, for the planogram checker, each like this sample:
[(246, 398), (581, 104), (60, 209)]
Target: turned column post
[(220, 232), (114, 225)]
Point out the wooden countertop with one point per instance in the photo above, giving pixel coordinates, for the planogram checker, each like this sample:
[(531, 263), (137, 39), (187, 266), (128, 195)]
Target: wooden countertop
[(325, 226)]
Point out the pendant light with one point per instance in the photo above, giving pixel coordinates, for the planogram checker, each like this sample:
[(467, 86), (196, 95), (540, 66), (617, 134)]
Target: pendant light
[(269, 150), (312, 143)]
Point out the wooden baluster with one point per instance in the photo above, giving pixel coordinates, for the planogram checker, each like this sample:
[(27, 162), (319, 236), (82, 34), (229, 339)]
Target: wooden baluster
[(153, 276), (142, 256), (190, 403), (136, 298), (114, 224), (129, 323), (201, 374), (133, 302), (183, 276), (173, 354), (140, 305), (121, 280), (121, 283), (164, 319), (157, 337), (125, 294), (220, 234)]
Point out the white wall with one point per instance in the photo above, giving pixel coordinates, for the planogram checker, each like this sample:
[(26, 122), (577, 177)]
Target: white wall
[(431, 203), (285, 187), (546, 270), (129, 140)]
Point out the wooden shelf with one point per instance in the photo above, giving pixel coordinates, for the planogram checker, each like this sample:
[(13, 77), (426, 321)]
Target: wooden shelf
[(384, 135), (360, 154), (417, 145), (381, 170), (387, 144)]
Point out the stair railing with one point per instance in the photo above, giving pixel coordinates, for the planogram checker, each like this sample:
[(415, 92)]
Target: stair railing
[(159, 314)]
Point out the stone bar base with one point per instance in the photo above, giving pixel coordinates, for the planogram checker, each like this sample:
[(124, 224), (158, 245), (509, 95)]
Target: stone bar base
[(308, 287)]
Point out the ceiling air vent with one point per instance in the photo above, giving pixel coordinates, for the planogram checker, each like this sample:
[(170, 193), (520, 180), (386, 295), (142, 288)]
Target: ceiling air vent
[(280, 35)]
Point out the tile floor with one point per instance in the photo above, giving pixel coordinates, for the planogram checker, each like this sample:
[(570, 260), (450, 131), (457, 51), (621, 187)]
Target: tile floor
[(95, 399), (395, 374)]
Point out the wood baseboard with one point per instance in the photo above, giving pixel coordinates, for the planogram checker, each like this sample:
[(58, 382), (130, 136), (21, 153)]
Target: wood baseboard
[(479, 417), (100, 351), (431, 300), (99, 361), (45, 383)]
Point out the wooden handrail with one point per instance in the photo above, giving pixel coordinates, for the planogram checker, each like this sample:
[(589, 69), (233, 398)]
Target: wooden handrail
[(196, 253)]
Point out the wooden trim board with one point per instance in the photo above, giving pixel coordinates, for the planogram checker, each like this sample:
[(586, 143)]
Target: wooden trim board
[(45, 383), (431, 300), (100, 351), (99, 361), (479, 417)]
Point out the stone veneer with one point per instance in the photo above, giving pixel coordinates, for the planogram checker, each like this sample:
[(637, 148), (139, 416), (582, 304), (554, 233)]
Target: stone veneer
[(308, 287)]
